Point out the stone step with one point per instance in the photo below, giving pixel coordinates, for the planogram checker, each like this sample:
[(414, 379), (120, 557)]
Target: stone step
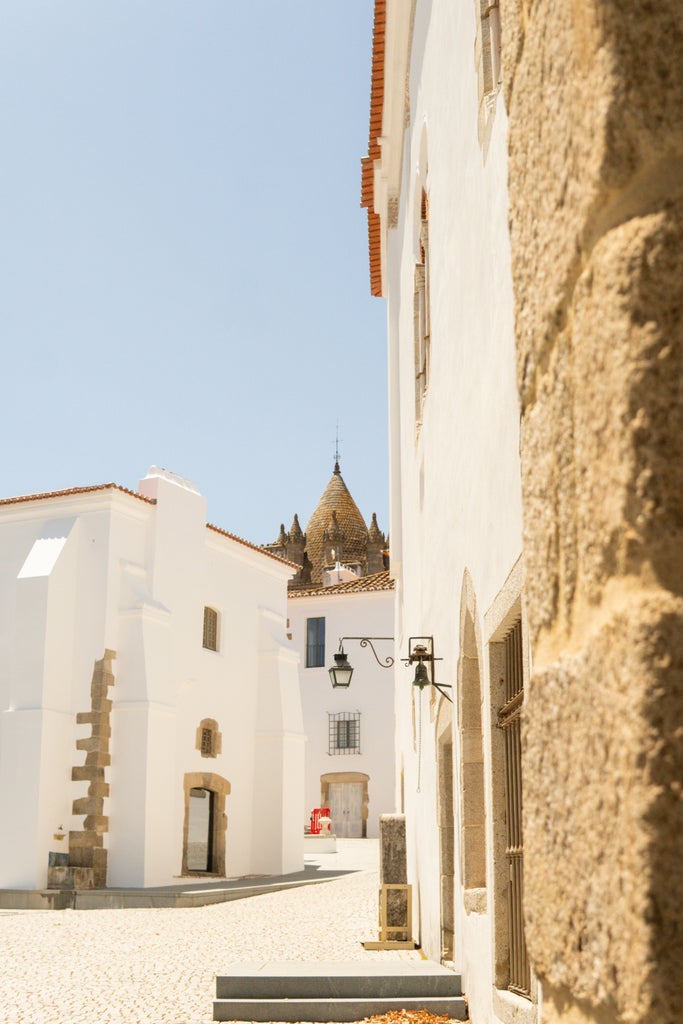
[(337, 980), (336, 991), (322, 1010), (66, 877)]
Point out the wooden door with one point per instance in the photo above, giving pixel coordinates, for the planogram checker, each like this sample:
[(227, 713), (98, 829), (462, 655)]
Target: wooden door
[(346, 809), (200, 830)]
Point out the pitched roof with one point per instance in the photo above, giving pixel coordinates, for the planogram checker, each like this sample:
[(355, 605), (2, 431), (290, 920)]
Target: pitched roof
[(72, 491), (67, 492), (255, 547), (364, 585)]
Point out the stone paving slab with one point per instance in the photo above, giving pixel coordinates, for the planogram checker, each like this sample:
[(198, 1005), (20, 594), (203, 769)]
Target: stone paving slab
[(162, 896), (158, 966)]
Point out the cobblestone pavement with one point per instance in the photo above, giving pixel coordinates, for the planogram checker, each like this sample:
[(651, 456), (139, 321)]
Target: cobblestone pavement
[(158, 966)]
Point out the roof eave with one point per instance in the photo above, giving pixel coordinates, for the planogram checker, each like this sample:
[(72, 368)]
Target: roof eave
[(381, 168)]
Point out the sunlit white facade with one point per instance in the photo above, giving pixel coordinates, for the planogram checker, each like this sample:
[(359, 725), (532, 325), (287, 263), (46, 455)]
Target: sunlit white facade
[(205, 704)]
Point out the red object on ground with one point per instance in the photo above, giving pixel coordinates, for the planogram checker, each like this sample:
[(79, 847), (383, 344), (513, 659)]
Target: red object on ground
[(316, 814)]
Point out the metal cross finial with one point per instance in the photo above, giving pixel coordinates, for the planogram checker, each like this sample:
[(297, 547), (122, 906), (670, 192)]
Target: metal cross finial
[(336, 446)]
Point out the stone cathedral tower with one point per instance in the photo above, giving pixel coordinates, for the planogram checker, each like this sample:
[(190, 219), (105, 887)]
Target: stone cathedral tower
[(337, 543)]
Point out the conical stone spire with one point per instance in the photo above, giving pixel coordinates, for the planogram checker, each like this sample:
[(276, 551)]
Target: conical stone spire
[(295, 534), (336, 525), (352, 535), (375, 535), (375, 548), (296, 542)]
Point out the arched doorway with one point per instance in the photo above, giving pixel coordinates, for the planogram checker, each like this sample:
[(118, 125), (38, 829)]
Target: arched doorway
[(205, 826)]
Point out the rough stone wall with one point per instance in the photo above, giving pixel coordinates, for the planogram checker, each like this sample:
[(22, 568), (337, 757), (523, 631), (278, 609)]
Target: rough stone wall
[(595, 97), (86, 867)]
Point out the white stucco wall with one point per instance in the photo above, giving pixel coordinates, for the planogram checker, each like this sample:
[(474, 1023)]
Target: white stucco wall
[(103, 569), (370, 693), (455, 485)]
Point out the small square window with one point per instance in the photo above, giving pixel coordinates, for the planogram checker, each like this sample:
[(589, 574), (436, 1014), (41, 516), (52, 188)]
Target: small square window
[(344, 733), (209, 741), (210, 640)]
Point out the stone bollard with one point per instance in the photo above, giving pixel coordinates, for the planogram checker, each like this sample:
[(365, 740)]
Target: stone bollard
[(393, 870)]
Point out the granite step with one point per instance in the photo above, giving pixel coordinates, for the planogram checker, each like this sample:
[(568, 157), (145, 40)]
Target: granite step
[(293, 991)]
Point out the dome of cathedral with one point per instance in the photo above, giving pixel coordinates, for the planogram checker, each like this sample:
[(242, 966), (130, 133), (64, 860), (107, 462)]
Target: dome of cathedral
[(350, 523)]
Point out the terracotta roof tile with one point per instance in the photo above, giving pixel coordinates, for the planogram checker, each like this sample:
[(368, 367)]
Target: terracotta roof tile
[(336, 499), (364, 585), (368, 162), (69, 491), (76, 490), (254, 547)]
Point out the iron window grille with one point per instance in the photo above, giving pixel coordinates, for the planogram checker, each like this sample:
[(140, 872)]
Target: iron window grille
[(208, 741), (509, 720), (315, 642), (344, 733), (210, 639)]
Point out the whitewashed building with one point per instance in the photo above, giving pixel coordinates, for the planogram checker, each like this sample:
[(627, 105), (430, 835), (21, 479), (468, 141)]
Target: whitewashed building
[(435, 185), (343, 589), (349, 732), (150, 715)]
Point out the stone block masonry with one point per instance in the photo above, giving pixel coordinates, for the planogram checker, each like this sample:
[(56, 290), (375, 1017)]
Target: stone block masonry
[(595, 99), (87, 861)]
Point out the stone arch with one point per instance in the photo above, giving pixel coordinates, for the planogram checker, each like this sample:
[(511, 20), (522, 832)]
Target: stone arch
[(446, 824), (220, 788), (472, 790)]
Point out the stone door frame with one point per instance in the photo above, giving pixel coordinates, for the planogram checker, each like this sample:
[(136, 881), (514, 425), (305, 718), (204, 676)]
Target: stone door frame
[(337, 777), (220, 788)]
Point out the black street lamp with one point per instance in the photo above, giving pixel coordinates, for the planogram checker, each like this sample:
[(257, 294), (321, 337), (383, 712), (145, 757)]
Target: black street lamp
[(341, 671)]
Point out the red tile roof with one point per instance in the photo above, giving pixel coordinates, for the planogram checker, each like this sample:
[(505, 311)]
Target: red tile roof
[(364, 585), (368, 162), (254, 547), (76, 490), (69, 491)]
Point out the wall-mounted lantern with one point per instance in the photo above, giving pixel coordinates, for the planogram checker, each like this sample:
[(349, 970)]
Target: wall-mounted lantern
[(420, 650), (341, 671)]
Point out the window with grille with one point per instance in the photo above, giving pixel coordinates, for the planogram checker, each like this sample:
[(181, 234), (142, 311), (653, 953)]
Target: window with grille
[(421, 313), (209, 741), (490, 44), (509, 720), (315, 642), (488, 61), (344, 733), (210, 640)]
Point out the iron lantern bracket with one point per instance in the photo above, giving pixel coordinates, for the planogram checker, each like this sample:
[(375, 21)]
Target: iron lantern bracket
[(367, 641)]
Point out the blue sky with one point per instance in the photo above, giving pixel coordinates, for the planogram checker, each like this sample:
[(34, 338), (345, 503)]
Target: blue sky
[(183, 257)]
